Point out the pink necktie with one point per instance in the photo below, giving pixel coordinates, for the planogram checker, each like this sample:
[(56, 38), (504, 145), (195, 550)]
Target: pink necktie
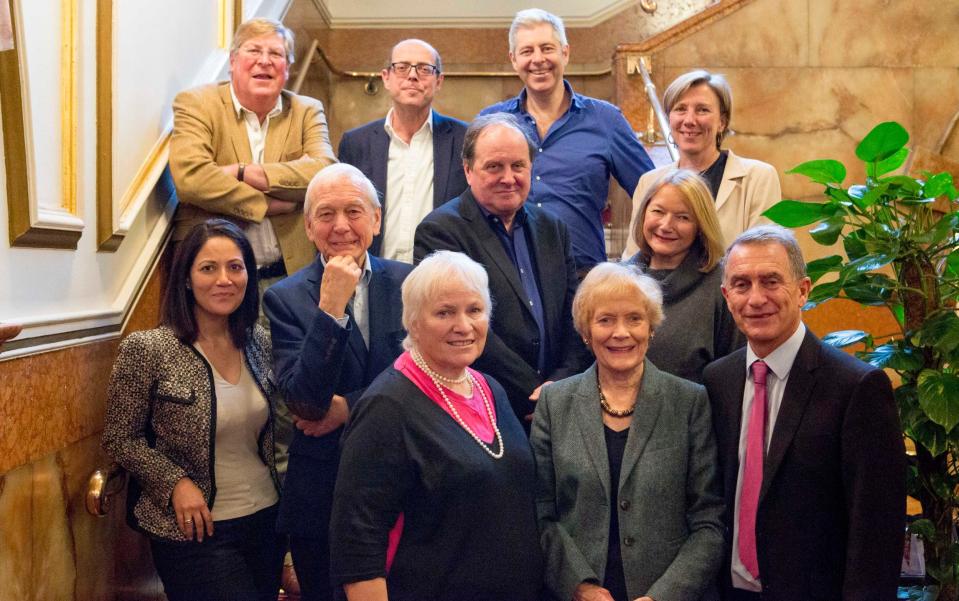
[(753, 471)]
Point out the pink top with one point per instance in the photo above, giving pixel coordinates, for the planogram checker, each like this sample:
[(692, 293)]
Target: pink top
[(472, 411)]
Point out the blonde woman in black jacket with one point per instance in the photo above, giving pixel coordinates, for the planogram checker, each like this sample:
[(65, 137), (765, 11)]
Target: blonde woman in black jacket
[(190, 417)]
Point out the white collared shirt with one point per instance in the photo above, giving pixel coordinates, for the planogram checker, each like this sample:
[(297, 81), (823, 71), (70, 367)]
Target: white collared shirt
[(409, 188), (361, 297), (780, 363), (266, 247)]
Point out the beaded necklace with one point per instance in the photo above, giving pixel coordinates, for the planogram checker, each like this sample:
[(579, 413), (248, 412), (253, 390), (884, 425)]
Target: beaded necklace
[(436, 378), (605, 404)]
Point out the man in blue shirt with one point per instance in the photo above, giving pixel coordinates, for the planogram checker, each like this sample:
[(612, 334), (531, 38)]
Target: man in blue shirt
[(526, 253), (579, 140)]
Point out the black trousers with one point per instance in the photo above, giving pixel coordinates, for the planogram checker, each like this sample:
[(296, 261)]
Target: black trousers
[(311, 560), (240, 562)]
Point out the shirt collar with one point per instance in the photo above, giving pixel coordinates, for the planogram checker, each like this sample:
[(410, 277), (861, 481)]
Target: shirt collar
[(780, 361), (239, 108), (367, 269), (388, 125), (575, 101), (519, 220)]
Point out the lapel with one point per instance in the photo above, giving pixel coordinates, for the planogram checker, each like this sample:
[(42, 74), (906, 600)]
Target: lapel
[(796, 398), (378, 320), (731, 403), (442, 158), (236, 126), (313, 279), (379, 150), (586, 399), (734, 172), (492, 247), (648, 406), (278, 132)]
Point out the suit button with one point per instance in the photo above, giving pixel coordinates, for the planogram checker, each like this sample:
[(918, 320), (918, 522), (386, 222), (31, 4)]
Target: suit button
[(628, 541), (624, 505)]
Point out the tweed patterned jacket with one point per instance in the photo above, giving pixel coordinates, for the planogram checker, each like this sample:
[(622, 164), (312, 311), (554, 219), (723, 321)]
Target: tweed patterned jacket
[(161, 421)]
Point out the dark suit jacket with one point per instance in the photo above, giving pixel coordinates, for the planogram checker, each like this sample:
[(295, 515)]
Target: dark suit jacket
[(512, 345), (368, 147), (668, 489), (315, 358), (832, 505)]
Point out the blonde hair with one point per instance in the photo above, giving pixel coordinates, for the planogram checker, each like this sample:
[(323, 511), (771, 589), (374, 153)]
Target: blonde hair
[(716, 82), (696, 194), (432, 276), (254, 28), (613, 280)]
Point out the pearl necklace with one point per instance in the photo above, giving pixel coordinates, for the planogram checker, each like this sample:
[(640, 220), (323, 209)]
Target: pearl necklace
[(605, 404), (435, 378)]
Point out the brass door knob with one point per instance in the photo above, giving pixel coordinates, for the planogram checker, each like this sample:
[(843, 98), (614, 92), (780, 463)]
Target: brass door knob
[(102, 486)]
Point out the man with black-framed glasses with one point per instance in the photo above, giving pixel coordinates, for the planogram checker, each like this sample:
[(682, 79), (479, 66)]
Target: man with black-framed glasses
[(413, 155)]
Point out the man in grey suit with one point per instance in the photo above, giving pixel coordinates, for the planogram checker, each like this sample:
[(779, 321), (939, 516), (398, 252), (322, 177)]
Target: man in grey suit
[(810, 449), (413, 155)]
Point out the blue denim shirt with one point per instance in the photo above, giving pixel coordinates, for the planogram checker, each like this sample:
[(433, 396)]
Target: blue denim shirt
[(573, 163)]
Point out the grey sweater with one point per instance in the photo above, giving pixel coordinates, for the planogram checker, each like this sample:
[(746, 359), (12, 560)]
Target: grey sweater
[(697, 328)]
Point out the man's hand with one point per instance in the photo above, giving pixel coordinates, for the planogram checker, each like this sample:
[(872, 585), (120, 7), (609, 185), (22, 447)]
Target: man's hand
[(280, 207), (534, 396), (338, 284), (336, 416), (587, 591)]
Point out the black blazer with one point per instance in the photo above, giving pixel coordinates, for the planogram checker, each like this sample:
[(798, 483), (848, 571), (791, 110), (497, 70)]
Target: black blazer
[(512, 345), (368, 148), (832, 506), (314, 358)]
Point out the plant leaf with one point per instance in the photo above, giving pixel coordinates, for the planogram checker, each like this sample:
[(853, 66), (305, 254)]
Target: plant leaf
[(946, 226), (941, 332), (871, 289), (844, 338), (867, 263), (795, 213), (893, 356), (817, 268), (939, 397), (827, 232), (937, 185), (882, 142), (903, 186), (932, 436), (924, 529), (952, 262), (853, 245), (821, 293), (826, 171), (888, 164)]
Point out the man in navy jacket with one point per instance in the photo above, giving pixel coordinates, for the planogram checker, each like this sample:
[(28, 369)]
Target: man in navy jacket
[(413, 155), (335, 324)]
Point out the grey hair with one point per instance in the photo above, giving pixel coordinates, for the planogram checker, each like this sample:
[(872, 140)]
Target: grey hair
[(436, 55), (335, 172), (715, 82), (771, 234), (432, 276), (531, 17), (607, 280), (254, 28), (484, 122)]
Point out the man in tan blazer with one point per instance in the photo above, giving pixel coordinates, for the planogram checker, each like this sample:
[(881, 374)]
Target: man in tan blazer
[(246, 149)]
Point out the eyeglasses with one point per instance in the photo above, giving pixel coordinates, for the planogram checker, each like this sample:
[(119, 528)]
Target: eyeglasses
[(422, 69), (255, 52)]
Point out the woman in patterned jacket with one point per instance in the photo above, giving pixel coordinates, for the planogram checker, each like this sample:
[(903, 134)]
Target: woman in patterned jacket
[(190, 417)]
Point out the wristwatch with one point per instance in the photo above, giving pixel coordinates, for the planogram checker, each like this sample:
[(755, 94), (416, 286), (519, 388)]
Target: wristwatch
[(239, 171)]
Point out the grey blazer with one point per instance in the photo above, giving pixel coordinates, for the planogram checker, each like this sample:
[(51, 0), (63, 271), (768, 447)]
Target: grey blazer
[(670, 506)]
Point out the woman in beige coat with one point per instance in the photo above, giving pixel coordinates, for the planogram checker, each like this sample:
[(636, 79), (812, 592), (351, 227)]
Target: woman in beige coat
[(699, 106)]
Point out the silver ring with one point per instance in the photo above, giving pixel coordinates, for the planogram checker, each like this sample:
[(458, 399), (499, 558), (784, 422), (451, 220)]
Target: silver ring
[(188, 520)]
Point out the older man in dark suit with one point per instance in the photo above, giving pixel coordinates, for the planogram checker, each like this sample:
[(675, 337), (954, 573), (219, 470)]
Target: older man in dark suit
[(526, 252), (810, 449), (336, 324), (413, 155)]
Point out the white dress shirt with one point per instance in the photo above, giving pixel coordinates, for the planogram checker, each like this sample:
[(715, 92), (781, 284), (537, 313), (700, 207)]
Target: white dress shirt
[(266, 248), (780, 362), (409, 188)]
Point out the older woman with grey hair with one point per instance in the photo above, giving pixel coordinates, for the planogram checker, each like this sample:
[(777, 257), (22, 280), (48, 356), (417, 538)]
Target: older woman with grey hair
[(434, 496), (627, 489), (700, 106)]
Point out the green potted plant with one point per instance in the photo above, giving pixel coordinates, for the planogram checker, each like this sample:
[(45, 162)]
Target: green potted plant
[(902, 253)]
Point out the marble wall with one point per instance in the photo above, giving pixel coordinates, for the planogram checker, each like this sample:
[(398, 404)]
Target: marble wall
[(51, 416)]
